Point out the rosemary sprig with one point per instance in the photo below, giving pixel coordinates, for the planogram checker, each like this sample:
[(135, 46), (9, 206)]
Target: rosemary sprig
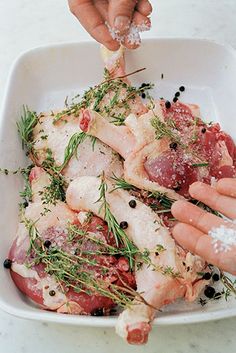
[(162, 198), (118, 119), (123, 240), (71, 148), (203, 164), (165, 201), (121, 237), (25, 127), (205, 207), (120, 183)]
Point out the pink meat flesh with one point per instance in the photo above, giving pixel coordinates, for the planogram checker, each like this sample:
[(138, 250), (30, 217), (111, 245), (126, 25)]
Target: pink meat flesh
[(179, 166)]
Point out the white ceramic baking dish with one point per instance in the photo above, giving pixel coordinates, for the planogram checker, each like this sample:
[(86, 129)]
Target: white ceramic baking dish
[(43, 77)]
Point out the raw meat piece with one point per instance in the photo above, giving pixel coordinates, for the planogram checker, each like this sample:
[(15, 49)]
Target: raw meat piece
[(42, 287), (147, 233), (166, 150)]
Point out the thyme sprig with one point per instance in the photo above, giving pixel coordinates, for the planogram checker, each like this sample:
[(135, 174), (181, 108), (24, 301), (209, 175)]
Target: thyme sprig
[(54, 191), (229, 285), (118, 92), (26, 194), (166, 129), (76, 271)]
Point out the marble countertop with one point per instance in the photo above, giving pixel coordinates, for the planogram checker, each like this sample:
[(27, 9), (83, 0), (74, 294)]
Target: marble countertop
[(25, 24)]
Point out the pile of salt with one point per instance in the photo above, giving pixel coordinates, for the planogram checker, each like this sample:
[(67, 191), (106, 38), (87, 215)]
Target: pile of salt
[(223, 238), (133, 35)]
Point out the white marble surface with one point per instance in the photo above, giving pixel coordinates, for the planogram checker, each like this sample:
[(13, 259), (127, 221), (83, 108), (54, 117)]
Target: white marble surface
[(25, 24)]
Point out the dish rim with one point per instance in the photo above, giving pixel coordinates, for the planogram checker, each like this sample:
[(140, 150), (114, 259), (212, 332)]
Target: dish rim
[(77, 320)]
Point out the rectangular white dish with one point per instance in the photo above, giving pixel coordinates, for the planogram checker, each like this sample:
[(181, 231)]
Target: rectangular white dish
[(43, 77)]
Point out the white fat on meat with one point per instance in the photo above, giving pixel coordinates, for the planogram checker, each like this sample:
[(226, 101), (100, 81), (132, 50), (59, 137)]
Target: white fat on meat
[(24, 271), (48, 284), (147, 232), (225, 156)]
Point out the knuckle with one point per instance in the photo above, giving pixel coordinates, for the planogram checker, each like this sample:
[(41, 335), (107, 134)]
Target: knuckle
[(72, 6), (126, 4)]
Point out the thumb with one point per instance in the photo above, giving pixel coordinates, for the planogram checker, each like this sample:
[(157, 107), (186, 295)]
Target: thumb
[(120, 14)]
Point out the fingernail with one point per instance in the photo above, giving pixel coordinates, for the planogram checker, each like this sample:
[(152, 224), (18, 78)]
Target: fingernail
[(122, 23)]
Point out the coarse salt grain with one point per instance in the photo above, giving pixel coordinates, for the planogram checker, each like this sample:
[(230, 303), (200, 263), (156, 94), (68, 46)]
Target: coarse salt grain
[(223, 238), (133, 36), (134, 33), (213, 181)]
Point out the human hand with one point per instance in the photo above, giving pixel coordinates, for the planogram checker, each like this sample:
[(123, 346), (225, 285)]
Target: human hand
[(119, 14), (195, 230)]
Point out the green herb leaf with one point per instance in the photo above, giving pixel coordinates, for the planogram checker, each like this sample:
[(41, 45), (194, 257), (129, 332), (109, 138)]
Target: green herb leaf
[(71, 148), (203, 164), (25, 127)]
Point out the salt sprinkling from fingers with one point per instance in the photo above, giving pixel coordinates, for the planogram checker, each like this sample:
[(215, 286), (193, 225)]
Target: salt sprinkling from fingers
[(133, 36), (223, 238)]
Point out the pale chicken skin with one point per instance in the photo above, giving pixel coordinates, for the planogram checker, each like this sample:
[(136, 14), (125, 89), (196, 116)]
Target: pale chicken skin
[(146, 232), (89, 159), (52, 136)]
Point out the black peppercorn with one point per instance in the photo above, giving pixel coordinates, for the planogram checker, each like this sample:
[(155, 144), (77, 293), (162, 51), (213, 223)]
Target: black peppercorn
[(204, 130), (209, 292), (7, 263), (177, 94), (25, 204), (215, 277), (175, 99), (132, 203), (52, 293), (143, 95), (173, 146), (182, 88), (97, 312), (123, 225), (47, 243), (207, 276), (168, 105)]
